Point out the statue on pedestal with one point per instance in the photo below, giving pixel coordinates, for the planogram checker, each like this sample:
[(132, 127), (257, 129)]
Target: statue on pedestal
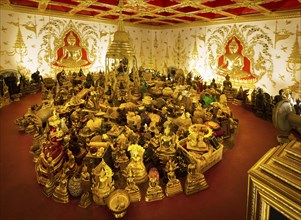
[(46, 174), (173, 185), (119, 151), (102, 183), (60, 193), (167, 148), (136, 163), (195, 181), (85, 199), (154, 191), (132, 189)]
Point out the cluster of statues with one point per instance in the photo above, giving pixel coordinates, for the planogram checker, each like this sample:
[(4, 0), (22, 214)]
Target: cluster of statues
[(263, 103), (14, 85), (88, 146)]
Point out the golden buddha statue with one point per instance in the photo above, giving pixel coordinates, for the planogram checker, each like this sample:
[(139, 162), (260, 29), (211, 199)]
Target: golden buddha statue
[(195, 180), (173, 185), (136, 164), (167, 148), (102, 183), (70, 164), (233, 62), (72, 55), (60, 193), (132, 189), (85, 199), (196, 138), (119, 151), (154, 191), (45, 173)]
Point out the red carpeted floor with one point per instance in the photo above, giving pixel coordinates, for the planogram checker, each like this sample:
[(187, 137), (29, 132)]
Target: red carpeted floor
[(226, 197)]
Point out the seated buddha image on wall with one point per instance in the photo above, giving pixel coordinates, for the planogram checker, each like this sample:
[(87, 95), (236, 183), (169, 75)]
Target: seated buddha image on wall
[(71, 54), (233, 63)]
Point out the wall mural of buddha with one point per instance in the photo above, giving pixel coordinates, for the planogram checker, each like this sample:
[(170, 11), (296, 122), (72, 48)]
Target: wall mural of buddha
[(72, 54), (233, 62), (243, 52)]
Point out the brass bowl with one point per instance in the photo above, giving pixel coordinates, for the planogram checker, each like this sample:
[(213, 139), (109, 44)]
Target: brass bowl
[(118, 202)]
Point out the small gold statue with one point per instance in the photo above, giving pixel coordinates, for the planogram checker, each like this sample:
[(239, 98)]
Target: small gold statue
[(119, 151), (60, 193), (173, 185), (132, 189), (71, 164), (5, 98), (85, 199), (102, 183), (195, 181), (154, 191), (136, 163), (196, 136), (45, 174), (167, 149)]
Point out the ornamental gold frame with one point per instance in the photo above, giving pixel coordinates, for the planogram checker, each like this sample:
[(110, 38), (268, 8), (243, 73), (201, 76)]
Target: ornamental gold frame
[(266, 191)]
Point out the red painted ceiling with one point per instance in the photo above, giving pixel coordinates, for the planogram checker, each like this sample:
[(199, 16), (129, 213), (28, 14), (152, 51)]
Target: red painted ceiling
[(162, 12)]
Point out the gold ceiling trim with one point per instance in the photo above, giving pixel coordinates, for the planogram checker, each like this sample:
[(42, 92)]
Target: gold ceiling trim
[(237, 19), (83, 5)]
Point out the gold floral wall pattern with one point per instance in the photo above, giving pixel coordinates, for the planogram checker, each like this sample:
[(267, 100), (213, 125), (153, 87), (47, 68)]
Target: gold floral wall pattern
[(293, 64), (242, 52)]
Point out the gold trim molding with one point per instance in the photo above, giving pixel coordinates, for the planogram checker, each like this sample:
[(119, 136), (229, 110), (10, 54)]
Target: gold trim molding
[(241, 19)]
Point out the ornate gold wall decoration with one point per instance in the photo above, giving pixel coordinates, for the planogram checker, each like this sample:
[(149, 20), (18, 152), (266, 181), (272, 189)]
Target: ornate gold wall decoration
[(232, 52), (267, 62), (194, 54), (166, 52), (141, 55), (281, 35), (155, 47), (19, 47), (293, 64), (68, 46), (150, 57), (179, 51)]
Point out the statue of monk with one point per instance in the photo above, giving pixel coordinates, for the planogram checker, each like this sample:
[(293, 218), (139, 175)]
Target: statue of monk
[(72, 54), (234, 62)]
